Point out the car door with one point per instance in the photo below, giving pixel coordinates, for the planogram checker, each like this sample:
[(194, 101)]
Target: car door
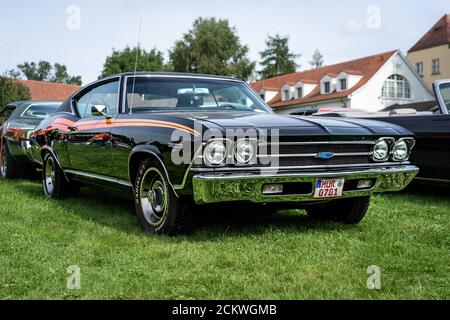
[(89, 139), (432, 150)]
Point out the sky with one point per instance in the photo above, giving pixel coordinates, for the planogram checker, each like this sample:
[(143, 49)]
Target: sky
[(81, 33)]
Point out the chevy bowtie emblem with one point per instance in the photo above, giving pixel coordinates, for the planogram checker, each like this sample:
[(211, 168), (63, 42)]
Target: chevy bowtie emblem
[(324, 155)]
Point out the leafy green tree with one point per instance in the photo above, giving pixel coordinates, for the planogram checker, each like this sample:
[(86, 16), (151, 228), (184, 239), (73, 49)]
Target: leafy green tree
[(212, 47), (317, 59), (12, 90), (44, 71), (125, 61), (277, 59), (36, 71), (61, 75)]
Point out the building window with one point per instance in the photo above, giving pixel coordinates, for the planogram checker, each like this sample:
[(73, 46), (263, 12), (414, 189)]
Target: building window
[(435, 66), (299, 92), (419, 68), (396, 87), (343, 83), (326, 87), (286, 94)]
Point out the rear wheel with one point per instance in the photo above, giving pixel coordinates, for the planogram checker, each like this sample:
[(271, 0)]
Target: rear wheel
[(54, 182), (158, 209), (9, 167), (348, 211)]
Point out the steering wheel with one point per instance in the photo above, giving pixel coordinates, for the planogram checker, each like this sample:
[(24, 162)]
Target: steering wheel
[(227, 107)]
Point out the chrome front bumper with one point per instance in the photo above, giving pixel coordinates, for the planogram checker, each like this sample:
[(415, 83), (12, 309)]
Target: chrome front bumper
[(224, 187)]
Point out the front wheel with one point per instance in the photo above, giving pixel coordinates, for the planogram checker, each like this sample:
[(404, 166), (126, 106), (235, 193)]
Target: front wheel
[(348, 211), (158, 209)]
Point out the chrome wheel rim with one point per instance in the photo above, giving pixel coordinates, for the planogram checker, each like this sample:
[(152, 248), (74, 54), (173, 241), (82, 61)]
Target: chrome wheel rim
[(3, 163), (154, 197), (49, 178)]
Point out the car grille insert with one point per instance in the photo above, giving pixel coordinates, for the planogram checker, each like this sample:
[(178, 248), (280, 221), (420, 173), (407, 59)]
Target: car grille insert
[(315, 154)]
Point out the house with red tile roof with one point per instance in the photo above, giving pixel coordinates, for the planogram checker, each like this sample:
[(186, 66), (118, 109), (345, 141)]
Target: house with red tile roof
[(431, 54), (370, 83), (42, 90)]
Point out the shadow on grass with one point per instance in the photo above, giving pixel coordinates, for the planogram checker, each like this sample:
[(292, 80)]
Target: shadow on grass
[(428, 189), (97, 206)]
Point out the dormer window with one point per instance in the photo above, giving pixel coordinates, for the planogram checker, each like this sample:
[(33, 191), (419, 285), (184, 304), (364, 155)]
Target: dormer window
[(263, 96), (300, 92), (327, 87), (343, 84), (286, 94)]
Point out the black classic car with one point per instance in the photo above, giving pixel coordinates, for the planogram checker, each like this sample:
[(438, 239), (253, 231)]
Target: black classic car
[(181, 141), (430, 122), (17, 122)]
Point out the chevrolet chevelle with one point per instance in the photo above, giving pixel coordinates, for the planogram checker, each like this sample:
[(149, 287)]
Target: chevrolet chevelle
[(180, 141)]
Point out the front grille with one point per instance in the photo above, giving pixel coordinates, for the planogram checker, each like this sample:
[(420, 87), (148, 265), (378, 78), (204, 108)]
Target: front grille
[(305, 154)]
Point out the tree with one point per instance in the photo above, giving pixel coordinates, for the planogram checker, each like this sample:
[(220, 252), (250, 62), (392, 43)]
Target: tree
[(44, 71), (317, 59), (12, 90), (277, 59), (61, 75), (211, 47), (125, 61)]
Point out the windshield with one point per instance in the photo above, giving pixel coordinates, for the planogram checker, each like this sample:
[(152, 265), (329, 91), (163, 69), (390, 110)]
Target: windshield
[(40, 111), (147, 94), (445, 93)]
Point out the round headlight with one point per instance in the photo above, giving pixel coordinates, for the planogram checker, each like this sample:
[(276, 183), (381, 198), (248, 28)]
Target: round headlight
[(244, 151), (381, 150), (400, 150), (215, 153)]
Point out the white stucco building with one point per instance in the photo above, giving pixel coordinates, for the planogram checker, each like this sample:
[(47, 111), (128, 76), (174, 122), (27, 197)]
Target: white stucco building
[(369, 83)]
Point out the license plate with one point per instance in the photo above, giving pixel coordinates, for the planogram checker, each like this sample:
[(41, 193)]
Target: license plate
[(329, 188)]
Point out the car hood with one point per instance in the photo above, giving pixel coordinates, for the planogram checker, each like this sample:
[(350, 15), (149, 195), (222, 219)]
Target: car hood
[(297, 125)]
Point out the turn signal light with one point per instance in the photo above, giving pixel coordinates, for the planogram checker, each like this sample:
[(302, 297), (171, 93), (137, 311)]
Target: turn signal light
[(268, 189)]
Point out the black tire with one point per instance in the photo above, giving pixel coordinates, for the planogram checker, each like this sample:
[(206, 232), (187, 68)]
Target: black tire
[(158, 209), (348, 211), (9, 167), (54, 182)]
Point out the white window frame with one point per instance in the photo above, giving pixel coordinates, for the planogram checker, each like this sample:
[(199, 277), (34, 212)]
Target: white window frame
[(419, 68), (287, 94), (341, 82), (299, 92), (396, 87), (435, 66)]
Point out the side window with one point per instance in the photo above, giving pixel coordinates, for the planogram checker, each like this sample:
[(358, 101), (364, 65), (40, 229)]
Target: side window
[(106, 94), (82, 104)]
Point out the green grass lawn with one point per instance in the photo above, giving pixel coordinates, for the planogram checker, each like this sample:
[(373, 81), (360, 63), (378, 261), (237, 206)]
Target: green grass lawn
[(286, 256)]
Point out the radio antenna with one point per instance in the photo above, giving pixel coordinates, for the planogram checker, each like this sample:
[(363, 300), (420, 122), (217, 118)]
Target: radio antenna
[(138, 49)]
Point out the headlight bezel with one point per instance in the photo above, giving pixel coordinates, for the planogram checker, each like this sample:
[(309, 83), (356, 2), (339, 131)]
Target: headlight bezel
[(223, 162), (410, 142), (253, 143), (389, 142)]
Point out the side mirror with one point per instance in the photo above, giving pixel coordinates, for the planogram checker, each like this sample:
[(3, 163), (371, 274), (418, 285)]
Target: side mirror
[(100, 111)]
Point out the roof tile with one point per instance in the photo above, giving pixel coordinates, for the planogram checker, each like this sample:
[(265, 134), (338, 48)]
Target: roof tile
[(366, 67), (438, 35), (41, 90)]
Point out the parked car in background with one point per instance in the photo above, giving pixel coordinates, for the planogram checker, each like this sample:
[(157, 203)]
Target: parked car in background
[(430, 122), (17, 121), (176, 141)]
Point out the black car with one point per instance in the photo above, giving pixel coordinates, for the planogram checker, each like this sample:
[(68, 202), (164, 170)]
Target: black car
[(430, 122), (180, 141), (17, 121)]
